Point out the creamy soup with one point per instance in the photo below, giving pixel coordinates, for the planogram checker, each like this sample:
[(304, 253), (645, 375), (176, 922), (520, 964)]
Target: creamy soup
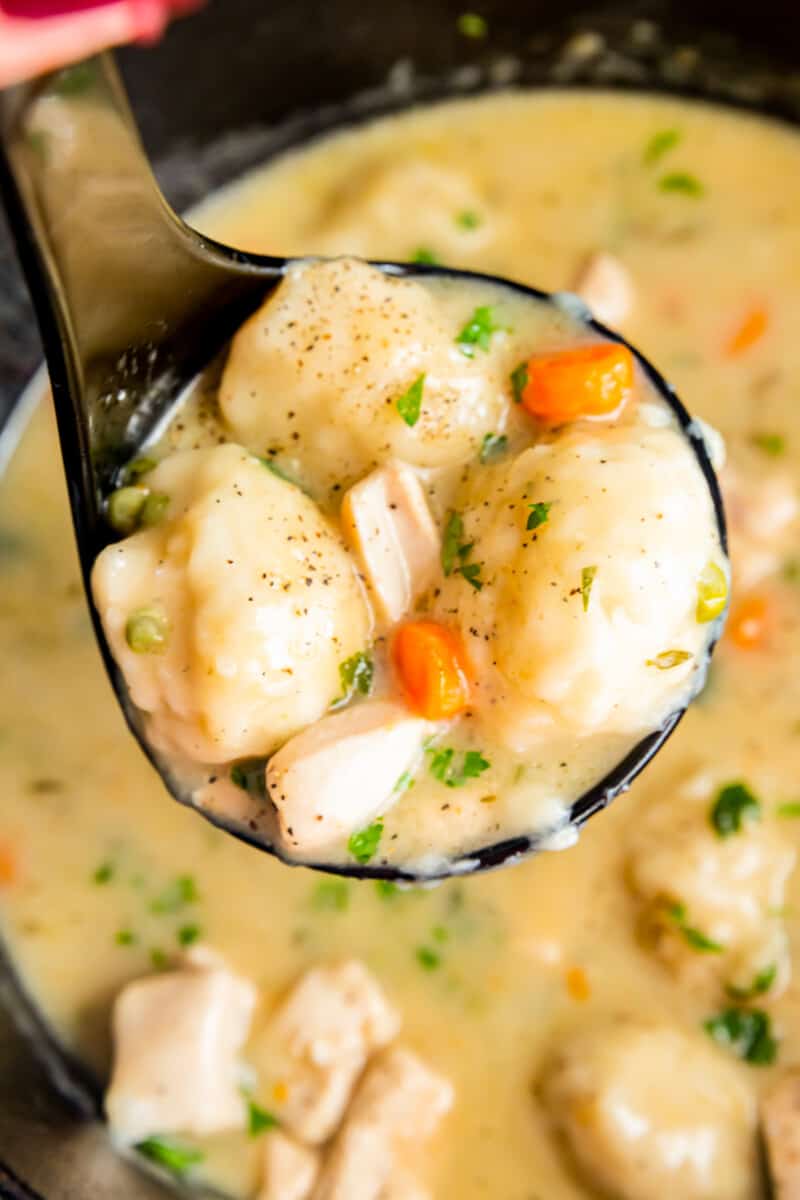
[(610, 1017), (434, 552)]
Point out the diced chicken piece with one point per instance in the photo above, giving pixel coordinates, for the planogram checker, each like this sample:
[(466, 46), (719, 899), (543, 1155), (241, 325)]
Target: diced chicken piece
[(318, 1044), (176, 1042), (290, 1169), (400, 1100), (339, 774), (387, 520), (606, 286), (780, 1124)]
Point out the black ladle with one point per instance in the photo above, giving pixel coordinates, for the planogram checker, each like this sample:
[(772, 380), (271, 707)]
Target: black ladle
[(132, 304)]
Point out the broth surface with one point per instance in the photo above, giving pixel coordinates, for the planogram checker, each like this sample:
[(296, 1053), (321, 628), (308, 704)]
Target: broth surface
[(91, 848)]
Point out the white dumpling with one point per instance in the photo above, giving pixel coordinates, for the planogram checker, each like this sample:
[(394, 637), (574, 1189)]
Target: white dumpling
[(577, 621), (649, 1112), (314, 376), (258, 597)]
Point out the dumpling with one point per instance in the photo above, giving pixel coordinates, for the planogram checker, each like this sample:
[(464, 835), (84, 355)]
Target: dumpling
[(230, 618), (315, 376)]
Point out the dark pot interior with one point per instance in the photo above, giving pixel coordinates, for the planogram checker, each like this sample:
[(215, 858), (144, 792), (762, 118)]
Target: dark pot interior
[(240, 81)]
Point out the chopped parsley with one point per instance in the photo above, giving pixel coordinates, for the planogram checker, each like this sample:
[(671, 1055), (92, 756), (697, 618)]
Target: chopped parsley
[(158, 959), (125, 937), (694, 937), (259, 1120), (363, 845), (425, 257), (712, 593), (356, 674), (273, 467), (443, 766), (175, 895), (734, 804), (790, 809), (409, 405), (748, 1032), (188, 934), (773, 444), (519, 381), (538, 515), (762, 983), (681, 182), (103, 874), (469, 219), (427, 958), (587, 583), (331, 895), (472, 25), (405, 782), (478, 331), (455, 553), (386, 889), (493, 446), (660, 144), (166, 1152), (668, 659)]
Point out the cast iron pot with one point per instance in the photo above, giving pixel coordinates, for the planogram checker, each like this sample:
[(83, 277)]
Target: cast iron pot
[(241, 81)]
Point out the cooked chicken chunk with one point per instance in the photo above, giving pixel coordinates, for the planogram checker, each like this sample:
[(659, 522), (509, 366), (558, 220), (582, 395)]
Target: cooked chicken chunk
[(606, 287), (177, 1038), (649, 1113), (399, 1101), (727, 889), (318, 1043), (387, 520), (339, 774), (592, 548), (290, 1169), (231, 617), (368, 341), (780, 1124)]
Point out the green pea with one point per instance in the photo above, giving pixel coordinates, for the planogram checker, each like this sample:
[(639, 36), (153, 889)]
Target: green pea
[(124, 509), (147, 631), (153, 509)]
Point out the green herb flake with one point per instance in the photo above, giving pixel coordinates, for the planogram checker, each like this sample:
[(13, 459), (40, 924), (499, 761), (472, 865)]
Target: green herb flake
[(440, 934), (276, 470), (472, 573), (188, 935), (425, 257), (519, 381), (363, 845), (176, 895), (587, 583), (469, 219), (147, 631), (455, 553), (138, 467), (712, 593), (773, 444), (427, 958), (356, 674), (538, 515), (103, 874), (734, 804), (478, 331), (124, 508), (73, 81), (405, 782), (761, 984), (493, 446), (748, 1032), (331, 895), (125, 937), (681, 183), (443, 766), (668, 659), (660, 144), (173, 1155), (472, 25), (790, 809), (158, 959), (259, 1120), (386, 889), (694, 937), (409, 405)]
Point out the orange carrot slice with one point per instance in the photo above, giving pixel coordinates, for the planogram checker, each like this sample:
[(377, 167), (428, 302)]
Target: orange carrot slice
[(9, 866), (587, 381), (433, 669), (751, 330), (749, 623)]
